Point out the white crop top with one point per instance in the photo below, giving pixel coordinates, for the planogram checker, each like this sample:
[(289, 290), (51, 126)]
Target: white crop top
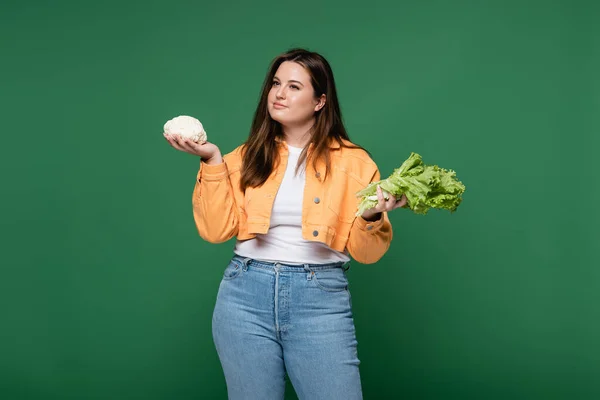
[(283, 242)]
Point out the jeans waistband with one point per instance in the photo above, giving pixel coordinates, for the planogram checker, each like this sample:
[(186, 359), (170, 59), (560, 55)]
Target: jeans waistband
[(245, 261)]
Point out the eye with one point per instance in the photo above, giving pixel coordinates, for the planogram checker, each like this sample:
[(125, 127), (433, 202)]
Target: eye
[(275, 83), (294, 87)]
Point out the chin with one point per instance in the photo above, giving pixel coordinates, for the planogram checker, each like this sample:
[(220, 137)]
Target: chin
[(276, 118)]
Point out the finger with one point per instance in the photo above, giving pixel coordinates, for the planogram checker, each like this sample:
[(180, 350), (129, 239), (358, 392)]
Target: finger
[(402, 202), (176, 138), (181, 142), (191, 146), (178, 147), (386, 195), (380, 199), (169, 139), (389, 205), (174, 141)]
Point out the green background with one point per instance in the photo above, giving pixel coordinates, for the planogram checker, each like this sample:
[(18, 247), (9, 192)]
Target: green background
[(106, 289)]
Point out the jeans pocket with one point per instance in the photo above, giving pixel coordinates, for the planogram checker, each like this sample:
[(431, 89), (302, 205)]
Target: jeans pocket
[(331, 280), (232, 271)]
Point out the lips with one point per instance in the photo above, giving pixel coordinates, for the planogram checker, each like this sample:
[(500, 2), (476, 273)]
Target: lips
[(278, 105)]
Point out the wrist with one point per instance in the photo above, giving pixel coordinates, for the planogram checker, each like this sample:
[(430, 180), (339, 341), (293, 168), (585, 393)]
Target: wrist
[(214, 160), (371, 217)]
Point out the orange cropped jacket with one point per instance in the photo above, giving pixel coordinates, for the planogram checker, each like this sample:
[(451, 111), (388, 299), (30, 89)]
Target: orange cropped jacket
[(222, 211)]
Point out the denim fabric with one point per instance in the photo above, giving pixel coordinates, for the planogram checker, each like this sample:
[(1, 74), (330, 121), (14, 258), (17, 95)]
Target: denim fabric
[(271, 319)]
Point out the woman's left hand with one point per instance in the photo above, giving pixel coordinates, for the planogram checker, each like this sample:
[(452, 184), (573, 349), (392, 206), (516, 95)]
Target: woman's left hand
[(373, 214)]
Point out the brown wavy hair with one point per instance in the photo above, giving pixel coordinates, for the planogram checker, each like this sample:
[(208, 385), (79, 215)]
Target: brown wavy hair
[(260, 154)]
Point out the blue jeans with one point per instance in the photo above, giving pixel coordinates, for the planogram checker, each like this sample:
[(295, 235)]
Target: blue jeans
[(271, 319)]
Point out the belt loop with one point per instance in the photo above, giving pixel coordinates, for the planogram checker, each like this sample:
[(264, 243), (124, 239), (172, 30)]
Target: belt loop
[(246, 261), (346, 266), (309, 272)]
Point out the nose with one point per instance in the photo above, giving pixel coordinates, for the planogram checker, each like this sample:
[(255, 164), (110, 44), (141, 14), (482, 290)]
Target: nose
[(280, 94)]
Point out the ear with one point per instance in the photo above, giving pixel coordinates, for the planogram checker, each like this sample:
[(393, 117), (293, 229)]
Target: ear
[(321, 102)]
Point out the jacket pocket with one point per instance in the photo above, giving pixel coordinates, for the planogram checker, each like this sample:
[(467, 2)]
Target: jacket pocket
[(342, 201)]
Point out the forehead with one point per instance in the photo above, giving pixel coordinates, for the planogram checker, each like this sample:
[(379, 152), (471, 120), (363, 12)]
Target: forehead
[(289, 70)]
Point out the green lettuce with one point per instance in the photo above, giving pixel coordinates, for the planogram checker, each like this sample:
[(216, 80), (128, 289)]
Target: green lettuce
[(425, 187)]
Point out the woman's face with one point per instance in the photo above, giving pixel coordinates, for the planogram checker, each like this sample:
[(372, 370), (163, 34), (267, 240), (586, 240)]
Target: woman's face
[(291, 100)]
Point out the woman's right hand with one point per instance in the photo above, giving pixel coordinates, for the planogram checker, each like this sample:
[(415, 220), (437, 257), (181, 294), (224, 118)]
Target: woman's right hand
[(209, 152)]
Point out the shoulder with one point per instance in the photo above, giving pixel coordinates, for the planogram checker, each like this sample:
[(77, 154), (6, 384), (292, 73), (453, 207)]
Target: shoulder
[(351, 152), (354, 160)]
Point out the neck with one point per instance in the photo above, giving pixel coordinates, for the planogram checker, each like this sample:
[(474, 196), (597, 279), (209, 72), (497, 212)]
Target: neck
[(298, 135)]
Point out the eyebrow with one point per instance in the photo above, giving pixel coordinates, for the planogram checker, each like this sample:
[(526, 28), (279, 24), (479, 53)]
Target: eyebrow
[(291, 80)]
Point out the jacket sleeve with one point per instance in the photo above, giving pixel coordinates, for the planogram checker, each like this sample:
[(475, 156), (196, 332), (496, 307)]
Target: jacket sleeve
[(213, 202), (369, 241)]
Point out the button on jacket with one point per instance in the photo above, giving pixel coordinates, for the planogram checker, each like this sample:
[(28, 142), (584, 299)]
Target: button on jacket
[(222, 210)]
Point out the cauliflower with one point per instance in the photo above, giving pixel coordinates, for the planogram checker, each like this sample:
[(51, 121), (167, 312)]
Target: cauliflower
[(186, 126)]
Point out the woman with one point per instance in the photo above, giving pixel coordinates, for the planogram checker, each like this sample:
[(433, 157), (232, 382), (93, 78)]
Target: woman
[(288, 196)]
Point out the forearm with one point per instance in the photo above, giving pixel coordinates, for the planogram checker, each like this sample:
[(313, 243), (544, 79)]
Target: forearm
[(215, 211), (370, 240)]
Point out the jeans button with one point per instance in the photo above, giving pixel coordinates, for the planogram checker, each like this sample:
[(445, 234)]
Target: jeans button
[(317, 200), (315, 233)]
